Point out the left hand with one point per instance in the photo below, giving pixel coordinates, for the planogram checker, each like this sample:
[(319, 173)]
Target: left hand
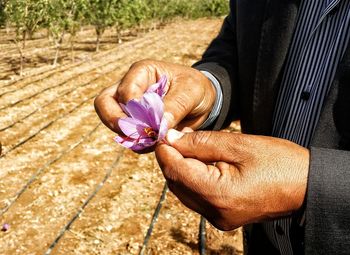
[(254, 178)]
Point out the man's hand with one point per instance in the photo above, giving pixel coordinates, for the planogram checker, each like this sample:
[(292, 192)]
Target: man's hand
[(253, 178), (188, 101)]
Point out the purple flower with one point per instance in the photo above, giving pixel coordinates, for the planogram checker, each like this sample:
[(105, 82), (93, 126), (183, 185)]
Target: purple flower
[(5, 227), (145, 124), (159, 87)]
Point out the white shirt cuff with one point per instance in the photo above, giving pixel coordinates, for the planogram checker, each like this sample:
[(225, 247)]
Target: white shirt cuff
[(218, 101)]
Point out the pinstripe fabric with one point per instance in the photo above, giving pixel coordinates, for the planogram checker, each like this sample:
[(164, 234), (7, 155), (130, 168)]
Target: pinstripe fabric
[(320, 38)]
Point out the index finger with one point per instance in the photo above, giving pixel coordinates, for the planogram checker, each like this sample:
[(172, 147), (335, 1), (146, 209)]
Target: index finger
[(178, 169), (108, 109)]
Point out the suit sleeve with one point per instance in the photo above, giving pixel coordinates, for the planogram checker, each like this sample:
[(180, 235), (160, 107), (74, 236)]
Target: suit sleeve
[(220, 59), (328, 202), (328, 194)]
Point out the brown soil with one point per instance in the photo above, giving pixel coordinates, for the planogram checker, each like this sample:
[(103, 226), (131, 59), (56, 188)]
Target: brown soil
[(65, 186)]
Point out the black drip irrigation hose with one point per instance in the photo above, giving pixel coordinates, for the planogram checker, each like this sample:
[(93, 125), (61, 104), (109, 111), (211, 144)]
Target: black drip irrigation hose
[(40, 170), (51, 101), (46, 126), (49, 73), (202, 236), (72, 78), (154, 220), (87, 201)]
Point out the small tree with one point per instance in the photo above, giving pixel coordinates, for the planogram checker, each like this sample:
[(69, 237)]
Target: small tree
[(27, 16), (56, 24), (64, 16), (2, 13), (101, 14), (75, 18)]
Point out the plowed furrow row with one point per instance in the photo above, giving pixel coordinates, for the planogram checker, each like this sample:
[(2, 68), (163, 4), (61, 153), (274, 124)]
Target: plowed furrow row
[(47, 125), (20, 164), (16, 96), (40, 101), (86, 202), (65, 186), (121, 49), (54, 208), (116, 220), (39, 171)]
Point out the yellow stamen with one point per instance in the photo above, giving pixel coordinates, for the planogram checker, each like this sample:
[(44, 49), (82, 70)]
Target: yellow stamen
[(150, 132)]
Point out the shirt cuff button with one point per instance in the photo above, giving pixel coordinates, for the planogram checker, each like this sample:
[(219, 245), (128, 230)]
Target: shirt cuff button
[(305, 95), (279, 230)]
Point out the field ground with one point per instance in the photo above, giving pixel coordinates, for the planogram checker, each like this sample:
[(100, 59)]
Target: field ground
[(65, 186)]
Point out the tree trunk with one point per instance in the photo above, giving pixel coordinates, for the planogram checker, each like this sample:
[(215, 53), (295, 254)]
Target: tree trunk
[(56, 55), (58, 46), (20, 56), (72, 47), (21, 63), (30, 34), (99, 32), (24, 39), (98, 42), (7, 28), (119, 36)]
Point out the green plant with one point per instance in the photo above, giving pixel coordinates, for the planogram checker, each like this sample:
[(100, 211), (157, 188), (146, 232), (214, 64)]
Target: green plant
[(27, 16), (2, 13), (101, 14), (64, 16), (215, 7)]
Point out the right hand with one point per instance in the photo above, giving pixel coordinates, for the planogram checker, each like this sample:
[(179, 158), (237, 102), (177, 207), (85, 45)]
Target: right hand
[(188, 102)]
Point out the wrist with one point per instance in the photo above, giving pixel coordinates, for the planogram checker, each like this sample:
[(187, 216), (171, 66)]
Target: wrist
[(301, 179)]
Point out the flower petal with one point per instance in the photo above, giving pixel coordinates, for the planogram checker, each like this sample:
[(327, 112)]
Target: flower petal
[(137, 111), (131, 127), (145, 124), (143, 144), (163, 128), (154, 104), (123, 106), (159, 87), (5, 227), (126, 142)]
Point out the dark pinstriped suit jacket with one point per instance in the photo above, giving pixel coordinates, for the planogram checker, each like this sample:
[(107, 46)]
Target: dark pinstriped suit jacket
[(248, 58)]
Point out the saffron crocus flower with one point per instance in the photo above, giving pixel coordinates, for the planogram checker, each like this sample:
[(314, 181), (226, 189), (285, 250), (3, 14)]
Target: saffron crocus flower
[(5, 227), (145, 124)]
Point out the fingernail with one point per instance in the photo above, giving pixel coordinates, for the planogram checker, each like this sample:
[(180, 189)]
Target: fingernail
[(173, 135), (187, 130)]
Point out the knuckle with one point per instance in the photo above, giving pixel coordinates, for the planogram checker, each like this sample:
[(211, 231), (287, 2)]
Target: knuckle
[(169, 175), (97, 102), (141, 63), (199, 138), (124, 92), (121, 94), (137, 64)]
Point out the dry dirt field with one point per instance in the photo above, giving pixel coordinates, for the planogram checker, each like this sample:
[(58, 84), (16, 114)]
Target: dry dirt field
[(65, 186)]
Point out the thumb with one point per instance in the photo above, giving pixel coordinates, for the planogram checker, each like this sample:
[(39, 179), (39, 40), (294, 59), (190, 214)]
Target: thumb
[(136, 81), (206, 146), (178, 105), (189, 100)]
